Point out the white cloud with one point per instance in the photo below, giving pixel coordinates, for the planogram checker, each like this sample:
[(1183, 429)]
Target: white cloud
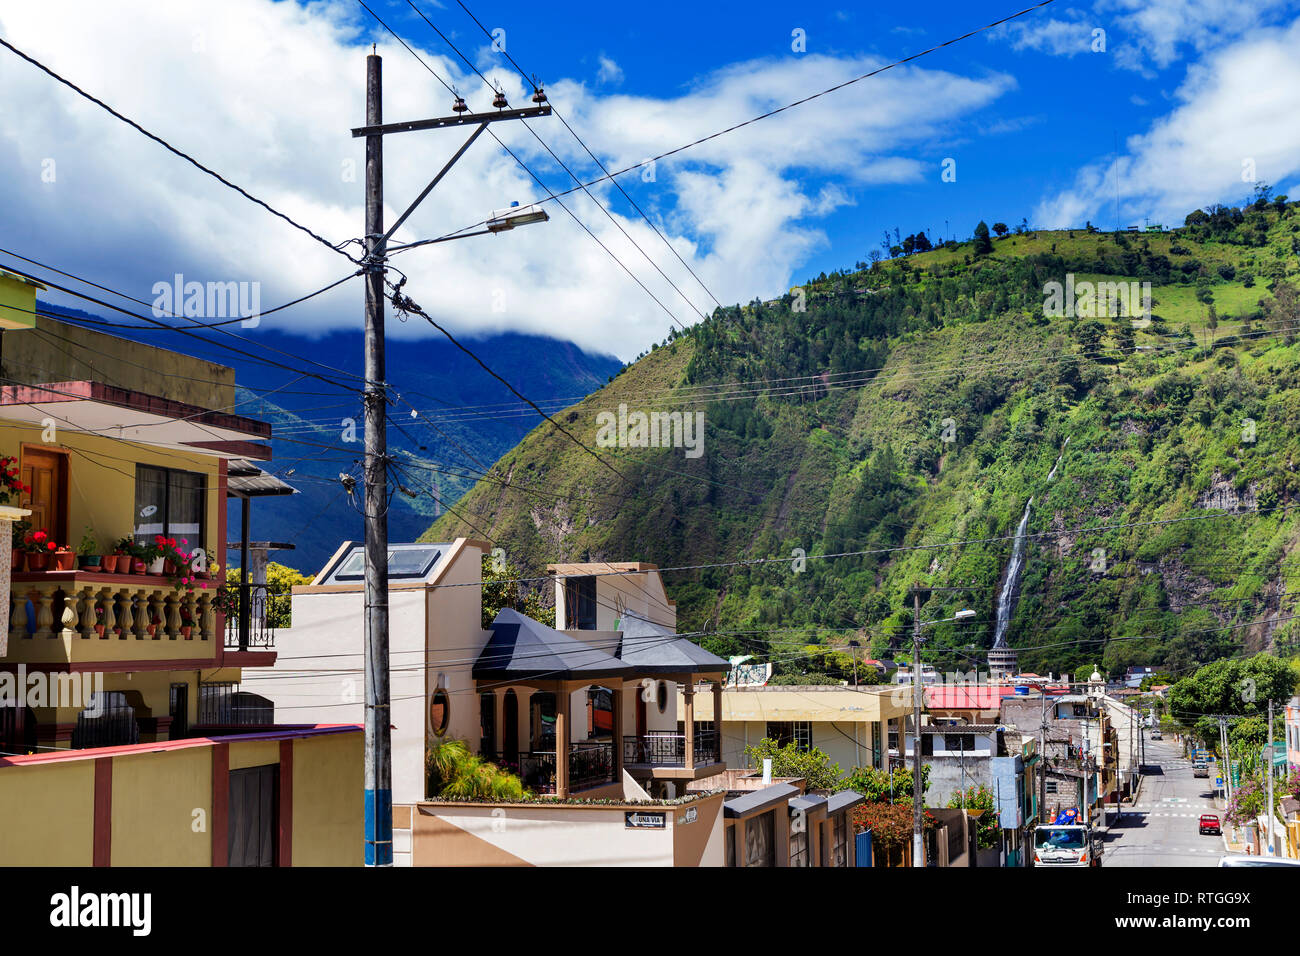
[(608, 71), (267, 93), (1049, 35), (1235, 107), (1156, 31)]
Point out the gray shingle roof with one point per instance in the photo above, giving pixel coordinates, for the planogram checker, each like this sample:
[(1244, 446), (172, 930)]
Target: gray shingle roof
[(759, 799), (654, 649), (523, 649), (843, 800)]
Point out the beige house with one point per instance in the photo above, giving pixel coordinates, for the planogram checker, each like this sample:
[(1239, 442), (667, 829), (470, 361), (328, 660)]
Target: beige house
[(853, 725)]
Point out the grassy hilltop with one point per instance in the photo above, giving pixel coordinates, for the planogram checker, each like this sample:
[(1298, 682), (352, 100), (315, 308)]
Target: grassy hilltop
[(911, 409)]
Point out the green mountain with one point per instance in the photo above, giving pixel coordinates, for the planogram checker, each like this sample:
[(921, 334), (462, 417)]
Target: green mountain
[(911, 409)]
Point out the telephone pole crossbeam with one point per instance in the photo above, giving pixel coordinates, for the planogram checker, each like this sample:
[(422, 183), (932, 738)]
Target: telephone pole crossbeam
[(443, 122)]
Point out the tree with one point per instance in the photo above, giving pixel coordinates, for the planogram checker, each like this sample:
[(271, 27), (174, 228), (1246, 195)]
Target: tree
[(1233, 686), (453, 770), (882, 786), (813, 764), (499, 592), (979, 797), (1000, 228), (280, 581), (983, 244)]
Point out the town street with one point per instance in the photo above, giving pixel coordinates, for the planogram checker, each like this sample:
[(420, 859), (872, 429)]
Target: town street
[(1162, 829)]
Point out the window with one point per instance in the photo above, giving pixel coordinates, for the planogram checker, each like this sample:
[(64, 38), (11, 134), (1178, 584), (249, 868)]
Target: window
[(784, 732), (487, 724), (877, 758), (760, 842), (840, 840), (661, 696), (439, 712), (799, 855), (959, 743), (170, 503), (109, 721), (179, 710), (927, 745), (580, 603), (1050, 787)]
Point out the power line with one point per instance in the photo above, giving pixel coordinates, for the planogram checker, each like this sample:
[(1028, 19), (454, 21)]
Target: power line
[(172, 149)]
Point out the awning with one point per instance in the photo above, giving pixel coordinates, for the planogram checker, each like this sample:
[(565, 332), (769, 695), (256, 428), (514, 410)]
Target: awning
[(126, 415), (522, 649), (245, 480)]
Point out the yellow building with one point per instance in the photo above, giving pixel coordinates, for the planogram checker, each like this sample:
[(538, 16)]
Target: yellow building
[(119, 690)]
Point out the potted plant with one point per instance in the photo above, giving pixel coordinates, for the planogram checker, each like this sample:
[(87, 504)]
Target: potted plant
[(65, 559), (39, 547), (187, 622), (88, 555), (11, 485), (137, 556), (99, 620)]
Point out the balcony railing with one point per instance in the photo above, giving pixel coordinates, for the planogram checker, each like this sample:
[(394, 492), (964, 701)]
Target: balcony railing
[(86, 615), (590, 765), (664, 749), (249, 624)]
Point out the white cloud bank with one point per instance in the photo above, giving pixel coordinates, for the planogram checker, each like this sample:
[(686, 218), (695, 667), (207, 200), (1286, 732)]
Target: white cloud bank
[(1235, 116), (267, 93)]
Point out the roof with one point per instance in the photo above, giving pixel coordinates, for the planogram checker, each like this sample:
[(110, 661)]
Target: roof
[(806, 802), (524, 649), (960, 696), (655, 649), (245, 480), (959, 728), (759, 800), (844, 800)]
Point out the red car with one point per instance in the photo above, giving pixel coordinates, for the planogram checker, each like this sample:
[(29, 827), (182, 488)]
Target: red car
[(1210, 824)]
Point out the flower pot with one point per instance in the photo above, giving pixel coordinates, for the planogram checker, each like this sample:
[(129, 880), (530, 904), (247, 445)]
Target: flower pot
[(90, 561), (65, 560), (185, 631), (169, 568), (37, 561), (99, 629), (109, 563), (20, 561), (157, 566), (138, 566)]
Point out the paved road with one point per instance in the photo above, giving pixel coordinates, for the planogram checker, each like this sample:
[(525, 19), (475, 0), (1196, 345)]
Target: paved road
[(1162, 829)]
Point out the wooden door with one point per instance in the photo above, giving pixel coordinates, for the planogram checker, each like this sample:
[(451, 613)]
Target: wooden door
[(46, 473)]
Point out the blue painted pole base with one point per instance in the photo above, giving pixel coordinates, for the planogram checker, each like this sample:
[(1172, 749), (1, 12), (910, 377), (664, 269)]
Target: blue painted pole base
[(379, 828)]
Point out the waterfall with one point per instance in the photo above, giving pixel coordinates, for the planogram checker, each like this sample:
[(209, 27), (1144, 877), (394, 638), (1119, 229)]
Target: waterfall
[(1007, 598), (1013, 579)]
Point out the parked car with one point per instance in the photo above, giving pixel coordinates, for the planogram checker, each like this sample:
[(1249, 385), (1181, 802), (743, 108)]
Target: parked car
[(1155, 735), (1200, 769), (1238, 859), (1210, 824)]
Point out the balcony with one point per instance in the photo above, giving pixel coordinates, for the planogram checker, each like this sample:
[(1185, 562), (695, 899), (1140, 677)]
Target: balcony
[(249, 624), (87, 617), (590, 765), (666, 750)]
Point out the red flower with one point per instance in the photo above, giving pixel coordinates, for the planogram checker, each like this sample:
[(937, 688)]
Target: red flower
[(39, 536), (51, 546)]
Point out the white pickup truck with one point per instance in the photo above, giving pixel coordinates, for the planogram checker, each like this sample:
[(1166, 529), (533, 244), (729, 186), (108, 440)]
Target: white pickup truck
[(1067, 844)]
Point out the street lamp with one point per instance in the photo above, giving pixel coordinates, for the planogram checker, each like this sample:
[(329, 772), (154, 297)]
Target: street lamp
[(503, 220), (918, 846)]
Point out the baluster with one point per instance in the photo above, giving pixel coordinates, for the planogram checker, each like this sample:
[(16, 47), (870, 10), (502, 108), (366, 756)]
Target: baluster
[(44, 606), (208, 616), (191, 606), (18, 618), (88, 616), (140, 617), (69, 617), (109, 600), (172, 614), (156, 615)]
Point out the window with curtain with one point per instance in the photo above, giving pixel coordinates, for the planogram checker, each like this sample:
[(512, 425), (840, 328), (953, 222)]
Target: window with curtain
[(171, 503)]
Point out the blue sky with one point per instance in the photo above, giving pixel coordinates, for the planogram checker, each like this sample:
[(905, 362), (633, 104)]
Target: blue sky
[(1194, 97)]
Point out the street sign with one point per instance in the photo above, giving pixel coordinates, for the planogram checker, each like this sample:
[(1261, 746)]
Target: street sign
[(638, 820)]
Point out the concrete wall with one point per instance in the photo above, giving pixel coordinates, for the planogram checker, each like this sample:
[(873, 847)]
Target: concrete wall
[(480, 834), (835, 738), (58, 352), (164, 804)]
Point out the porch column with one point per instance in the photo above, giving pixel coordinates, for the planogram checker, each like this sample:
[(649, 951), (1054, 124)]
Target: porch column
[(717, 716), (617, 691), (688, 721), (562, 740)]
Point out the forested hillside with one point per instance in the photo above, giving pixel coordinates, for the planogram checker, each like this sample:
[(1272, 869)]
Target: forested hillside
[(907, 411)]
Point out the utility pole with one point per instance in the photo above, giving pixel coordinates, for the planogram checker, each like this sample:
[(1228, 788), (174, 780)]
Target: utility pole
[(1042, 757), (378, 775), (918, 844), (1268, 807), (378, 714)]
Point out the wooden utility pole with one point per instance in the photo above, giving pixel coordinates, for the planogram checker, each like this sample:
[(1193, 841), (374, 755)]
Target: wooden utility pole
[(378, 714), (1268, 807), (918, 839), (378, 775)]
